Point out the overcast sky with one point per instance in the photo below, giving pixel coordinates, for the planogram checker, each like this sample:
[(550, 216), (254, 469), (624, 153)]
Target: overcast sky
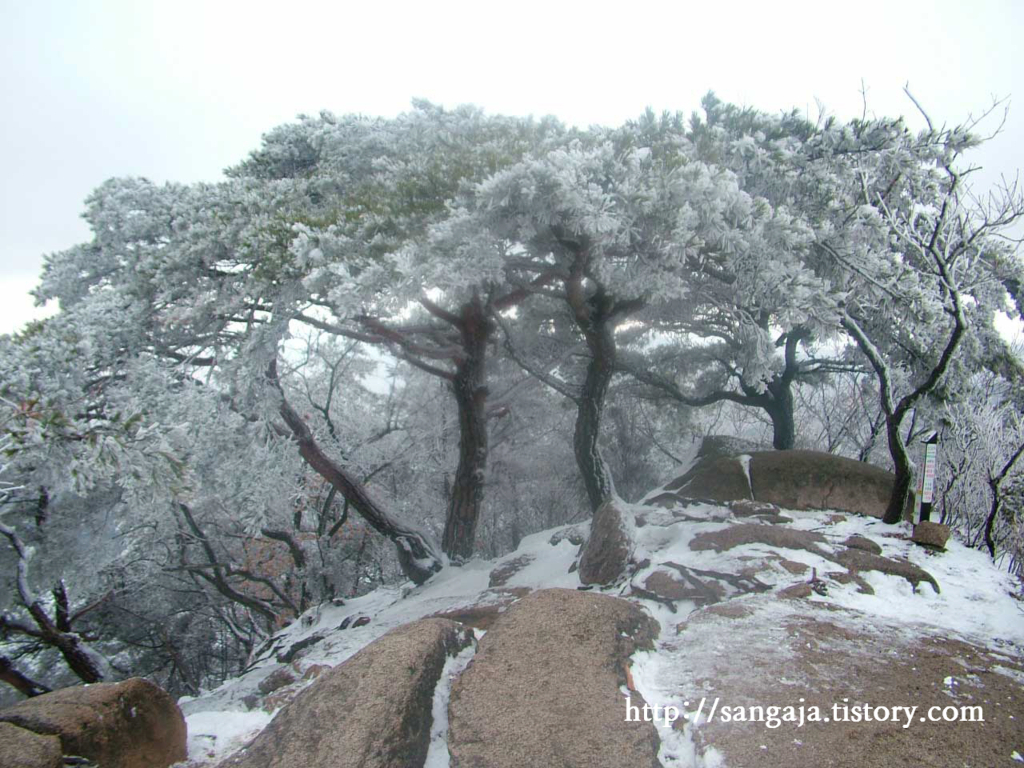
[(180, 90)]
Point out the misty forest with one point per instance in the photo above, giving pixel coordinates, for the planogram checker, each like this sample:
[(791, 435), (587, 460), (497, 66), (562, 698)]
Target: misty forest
[(380, 348)]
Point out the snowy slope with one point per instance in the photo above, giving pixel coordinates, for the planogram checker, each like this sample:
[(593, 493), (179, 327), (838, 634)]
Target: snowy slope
[(977, 602), (218, 720)]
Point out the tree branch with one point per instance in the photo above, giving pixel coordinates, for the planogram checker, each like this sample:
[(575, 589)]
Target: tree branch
[(417, 555)]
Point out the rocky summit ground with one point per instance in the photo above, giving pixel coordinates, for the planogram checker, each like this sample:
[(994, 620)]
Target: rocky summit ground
[(740, 625)]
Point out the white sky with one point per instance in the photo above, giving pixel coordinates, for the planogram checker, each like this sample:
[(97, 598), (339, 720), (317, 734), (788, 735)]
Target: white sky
[(179, 90)]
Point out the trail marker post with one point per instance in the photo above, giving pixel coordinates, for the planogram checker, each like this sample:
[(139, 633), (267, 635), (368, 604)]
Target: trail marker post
[(926, 487)]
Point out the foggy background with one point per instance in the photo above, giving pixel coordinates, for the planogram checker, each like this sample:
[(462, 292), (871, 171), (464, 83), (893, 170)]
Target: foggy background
[(178, 91)]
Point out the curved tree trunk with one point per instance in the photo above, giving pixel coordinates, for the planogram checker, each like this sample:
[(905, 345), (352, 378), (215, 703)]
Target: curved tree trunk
[(990, 524), (779, 400), (468, 354), (470, 392), (598, 331), (776, 400), (894, 411), (995, 484)]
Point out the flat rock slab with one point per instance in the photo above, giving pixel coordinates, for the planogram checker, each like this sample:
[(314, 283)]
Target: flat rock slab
[(826, 655), (372, 711), (132, 724), (24, 749), (855, 558), (506, 570), (544, 687), (751, 533), (702, 586)]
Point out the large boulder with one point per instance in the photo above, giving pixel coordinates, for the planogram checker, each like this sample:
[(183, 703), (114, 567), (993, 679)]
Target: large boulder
[(20, 748), (788, 479), (606, 554), (544, 688), (132, 724), (813, 480), (372, 711), (716, 478)]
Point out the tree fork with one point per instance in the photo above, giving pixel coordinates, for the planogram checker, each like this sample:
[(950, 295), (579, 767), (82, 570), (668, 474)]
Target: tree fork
[(77, 655)]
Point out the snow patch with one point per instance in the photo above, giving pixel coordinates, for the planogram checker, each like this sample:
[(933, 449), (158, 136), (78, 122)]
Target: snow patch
[(213, 736), (678, 748), (437, 753), (744, 460)]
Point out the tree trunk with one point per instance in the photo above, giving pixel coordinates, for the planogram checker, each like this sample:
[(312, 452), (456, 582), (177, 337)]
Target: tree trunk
[(599, 334), (780, 409), (901, 487), (990, 524), (995, 484), (895, 412), (470, 394)]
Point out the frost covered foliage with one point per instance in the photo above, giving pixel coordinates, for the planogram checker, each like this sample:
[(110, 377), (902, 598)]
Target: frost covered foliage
[(381, 347), (68, 414), (179, 531), (981, 475)]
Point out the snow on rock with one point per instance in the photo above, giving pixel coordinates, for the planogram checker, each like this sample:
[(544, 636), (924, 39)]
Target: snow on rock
[(373, 711), (220, 714), (437, 755), (975, 605), (860, 621), (975, 600), (744, 460)]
